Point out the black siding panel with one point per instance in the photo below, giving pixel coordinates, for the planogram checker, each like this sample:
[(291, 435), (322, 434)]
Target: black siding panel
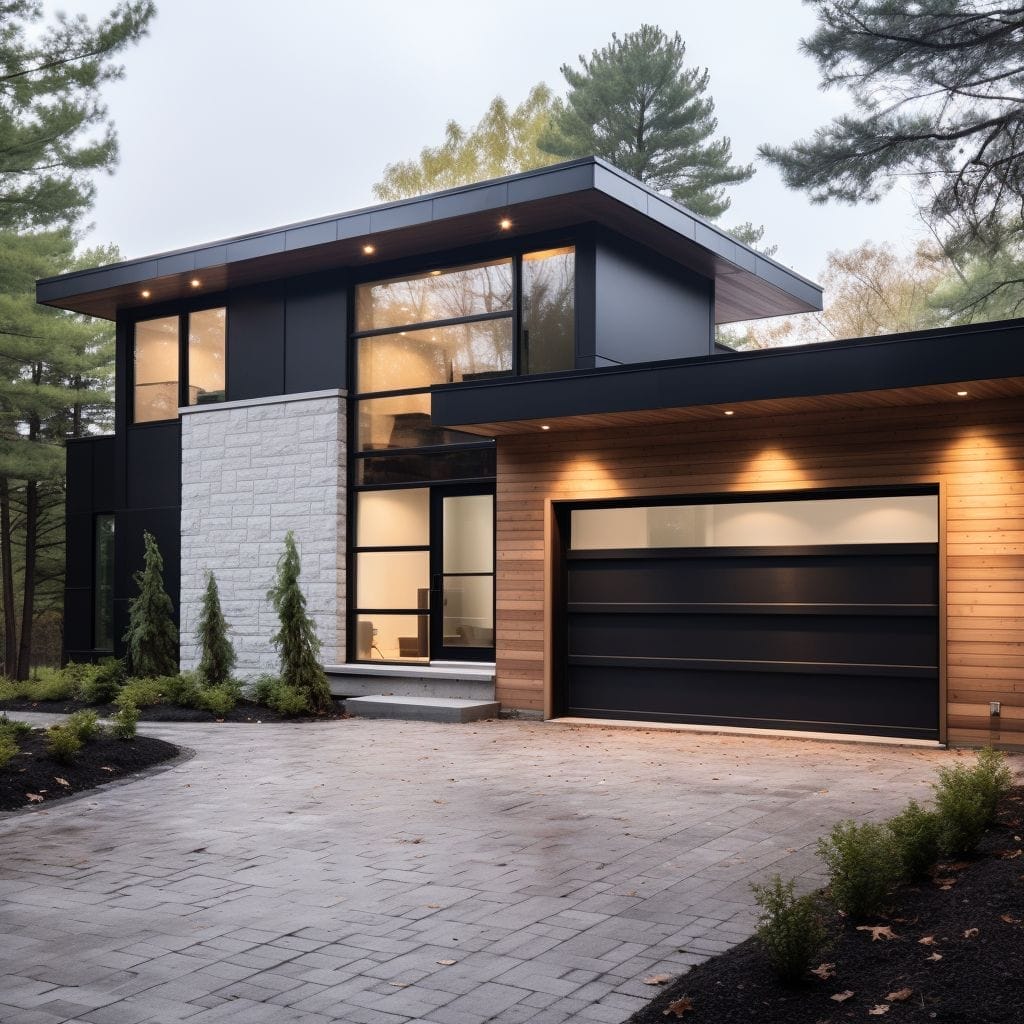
[(316, 334), (255, 342), (153, 466)]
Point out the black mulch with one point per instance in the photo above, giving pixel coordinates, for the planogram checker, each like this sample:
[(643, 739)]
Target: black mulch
[(970, 969), (32, 774), (243, 711)]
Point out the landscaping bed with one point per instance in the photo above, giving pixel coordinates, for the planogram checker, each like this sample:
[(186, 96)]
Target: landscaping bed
[(34, 778), (955, 955), (243, 711)]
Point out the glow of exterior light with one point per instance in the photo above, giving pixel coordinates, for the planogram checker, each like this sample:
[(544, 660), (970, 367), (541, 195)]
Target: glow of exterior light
[(435, 273), (369, 250), (730, 412), (146, 293), (504, 223), (195, 282), (545, 427), (961, 394)]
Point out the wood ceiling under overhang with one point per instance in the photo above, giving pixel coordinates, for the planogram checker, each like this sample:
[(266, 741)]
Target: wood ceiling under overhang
[(747, 284)]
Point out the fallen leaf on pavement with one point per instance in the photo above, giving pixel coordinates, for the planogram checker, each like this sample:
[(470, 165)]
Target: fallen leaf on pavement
[(432, 906), (657, 979), (970, 933), (447, 963), (878, 931), (901, 996), (824, 971), (841, 997), (679, 1006), (399, 984), (877, 1011)]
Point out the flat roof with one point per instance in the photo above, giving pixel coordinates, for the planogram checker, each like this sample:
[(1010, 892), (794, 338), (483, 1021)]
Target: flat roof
[(933, 365), (748, 285)]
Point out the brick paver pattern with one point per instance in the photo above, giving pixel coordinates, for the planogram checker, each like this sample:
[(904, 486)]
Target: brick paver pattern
[(381, 872)]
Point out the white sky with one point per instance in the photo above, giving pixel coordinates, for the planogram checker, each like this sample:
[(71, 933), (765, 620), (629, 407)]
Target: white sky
[(238, 115)]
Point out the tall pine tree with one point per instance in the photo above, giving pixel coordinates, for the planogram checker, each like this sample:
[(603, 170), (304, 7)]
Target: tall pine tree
[(218, 653), (635, 104), (296, 640), (152, 637)]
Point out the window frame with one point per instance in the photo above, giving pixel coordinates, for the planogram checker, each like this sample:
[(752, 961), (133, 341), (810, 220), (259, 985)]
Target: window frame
[(112, 517), (183, 313)]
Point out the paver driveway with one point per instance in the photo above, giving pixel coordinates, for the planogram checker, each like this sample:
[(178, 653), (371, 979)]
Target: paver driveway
[(376, 871)]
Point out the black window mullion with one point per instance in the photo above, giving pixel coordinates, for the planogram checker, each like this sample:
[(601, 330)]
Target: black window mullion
[(183, 376), (426, 325)]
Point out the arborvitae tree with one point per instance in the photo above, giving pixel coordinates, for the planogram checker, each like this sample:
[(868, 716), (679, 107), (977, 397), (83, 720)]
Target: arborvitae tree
[(296, 640), (152, 637), (218, 658), (636, 105)]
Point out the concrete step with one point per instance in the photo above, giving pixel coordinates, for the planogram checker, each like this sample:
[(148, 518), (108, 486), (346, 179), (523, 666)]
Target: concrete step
[(462, 681), (421, 709)]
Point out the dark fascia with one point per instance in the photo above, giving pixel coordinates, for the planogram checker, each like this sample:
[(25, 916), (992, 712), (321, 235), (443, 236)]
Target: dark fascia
[(989, 351), (104, 290)]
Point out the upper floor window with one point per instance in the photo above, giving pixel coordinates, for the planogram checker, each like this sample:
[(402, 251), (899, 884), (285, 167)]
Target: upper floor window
[(163, 347)]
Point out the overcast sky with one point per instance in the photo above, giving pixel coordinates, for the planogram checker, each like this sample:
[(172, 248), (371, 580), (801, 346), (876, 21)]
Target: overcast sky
[(237, 115)]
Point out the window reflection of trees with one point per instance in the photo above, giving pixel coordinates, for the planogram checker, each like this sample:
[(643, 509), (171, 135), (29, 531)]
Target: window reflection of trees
[(549, 288)]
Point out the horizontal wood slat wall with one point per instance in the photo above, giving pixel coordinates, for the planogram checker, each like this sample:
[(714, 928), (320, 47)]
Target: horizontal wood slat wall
[(973, 449)]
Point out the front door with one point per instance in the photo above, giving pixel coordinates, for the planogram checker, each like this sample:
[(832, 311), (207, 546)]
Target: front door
[(462, 573)]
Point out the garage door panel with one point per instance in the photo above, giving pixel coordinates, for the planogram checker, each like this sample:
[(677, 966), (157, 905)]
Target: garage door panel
[(878, 639), (793, 576), (879, 705)]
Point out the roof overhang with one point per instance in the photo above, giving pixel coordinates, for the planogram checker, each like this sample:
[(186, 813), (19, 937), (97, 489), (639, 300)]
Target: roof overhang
[(747, 284), (985, 360)]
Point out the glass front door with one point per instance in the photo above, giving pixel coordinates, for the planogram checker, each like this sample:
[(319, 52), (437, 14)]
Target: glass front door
[(462, 574)]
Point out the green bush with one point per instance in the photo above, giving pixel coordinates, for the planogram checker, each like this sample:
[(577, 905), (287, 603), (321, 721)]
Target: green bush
[(862, 866), (63, 743), (14, 728), (101, 683), (219, 700), (8, 690), (915, 836), (126, 720), (966, 800), (84, 724), (183, 689), (142, 692), (51, 684), (790, 929), (8, 747), (280, 697)]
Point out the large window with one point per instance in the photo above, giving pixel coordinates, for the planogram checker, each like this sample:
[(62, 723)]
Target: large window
[(163, 346), (549, 311), (103, 582)]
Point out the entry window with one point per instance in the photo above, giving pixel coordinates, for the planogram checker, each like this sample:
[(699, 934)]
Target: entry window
[(103, 582), (467, 559), (160, 354), (905, 519)]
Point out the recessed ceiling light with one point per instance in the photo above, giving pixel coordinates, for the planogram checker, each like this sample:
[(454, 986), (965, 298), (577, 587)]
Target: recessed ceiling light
[(195, 282), (146, 293), (730, 412), (369, 250), (435, 273), (504, 223), (545, 427), (961, 394)]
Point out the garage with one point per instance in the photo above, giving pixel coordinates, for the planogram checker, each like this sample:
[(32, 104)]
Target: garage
[(816, 614)]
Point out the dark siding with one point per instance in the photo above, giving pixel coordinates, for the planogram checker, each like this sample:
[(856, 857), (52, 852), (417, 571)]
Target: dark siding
[(153, 465), (255, 343), (316, 334), (647, 308)]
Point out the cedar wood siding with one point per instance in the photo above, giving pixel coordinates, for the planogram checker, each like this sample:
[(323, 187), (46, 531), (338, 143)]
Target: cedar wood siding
[(973, 450)]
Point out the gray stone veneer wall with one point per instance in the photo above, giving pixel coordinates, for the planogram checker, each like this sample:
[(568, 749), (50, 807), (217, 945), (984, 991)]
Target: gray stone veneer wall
[(251, 471)]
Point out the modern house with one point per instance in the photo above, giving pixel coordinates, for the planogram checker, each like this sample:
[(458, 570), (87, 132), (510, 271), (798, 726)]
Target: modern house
[(517, 464)]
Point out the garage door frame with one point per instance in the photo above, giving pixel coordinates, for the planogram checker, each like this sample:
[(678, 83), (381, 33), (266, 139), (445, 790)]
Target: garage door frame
[(557, 538)]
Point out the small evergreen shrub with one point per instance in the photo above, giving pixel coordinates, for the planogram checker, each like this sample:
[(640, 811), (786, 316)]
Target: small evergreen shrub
[(862, 866), (218, 653), (915, 836), (296, 640), (141, 692), (966, 800), (790, 930), (280, 697), (126, 720), (84, 724), (8, 690), (152, 637), (8, 747), (51, 684), (263, 688), (14, 728), (183, 689), (63, 743), (101, 683)]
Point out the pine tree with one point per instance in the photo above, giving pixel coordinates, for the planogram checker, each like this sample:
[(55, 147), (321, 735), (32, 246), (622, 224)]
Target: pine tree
[(636, 105), (296, 640), (152, 637), (218, 657)]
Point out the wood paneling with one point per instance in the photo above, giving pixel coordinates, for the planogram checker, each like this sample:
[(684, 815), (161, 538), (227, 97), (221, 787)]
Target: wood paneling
[(974, 450)]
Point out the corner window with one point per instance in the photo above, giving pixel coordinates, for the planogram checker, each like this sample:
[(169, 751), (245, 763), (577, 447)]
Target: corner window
[(549, 311), (103, 582), (162, 350)]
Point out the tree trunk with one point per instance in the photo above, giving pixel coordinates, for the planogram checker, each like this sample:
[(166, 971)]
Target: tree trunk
[(28, 603), (7, 568)]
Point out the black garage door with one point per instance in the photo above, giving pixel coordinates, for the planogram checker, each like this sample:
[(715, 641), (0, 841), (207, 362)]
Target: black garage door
[(837, 638)]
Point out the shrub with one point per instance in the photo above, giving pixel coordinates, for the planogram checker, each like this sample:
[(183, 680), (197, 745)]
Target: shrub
[(218, 657), (152, 637), (8, 747), (296, 640), (790, 929), (263, 688), (126, 720), (280, 697), (183, 689), (84, 724), (101, 683), (63, 743), (8, 690), (862, 866), (219, 700), (51, 684), (141, 692), (966, 800), (915, 836), (14, 728)]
